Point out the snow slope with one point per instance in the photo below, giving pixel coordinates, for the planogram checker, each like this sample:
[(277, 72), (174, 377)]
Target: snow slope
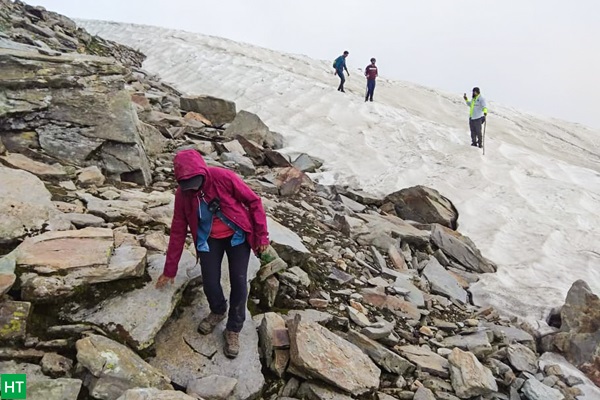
[(531, 203)]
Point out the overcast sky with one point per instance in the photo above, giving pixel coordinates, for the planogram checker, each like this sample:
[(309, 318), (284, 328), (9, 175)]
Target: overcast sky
[(536, 55)]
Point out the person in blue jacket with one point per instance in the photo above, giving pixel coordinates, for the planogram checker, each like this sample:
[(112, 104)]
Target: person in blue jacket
[(340, 65)]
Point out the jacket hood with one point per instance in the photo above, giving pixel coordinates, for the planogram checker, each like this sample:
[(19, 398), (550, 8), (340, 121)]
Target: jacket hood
[(188, 163)]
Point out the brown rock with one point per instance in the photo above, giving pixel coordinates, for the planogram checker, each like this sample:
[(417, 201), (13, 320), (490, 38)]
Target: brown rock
[(469, 377), (37, 168), (425, 205), (291, 180), (141, 101), (377, 298), (397, 258), (194, 116), (276, 160), (6, 282)]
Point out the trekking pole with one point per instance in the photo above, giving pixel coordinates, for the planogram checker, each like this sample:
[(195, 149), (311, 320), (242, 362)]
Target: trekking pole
[(483, 137)]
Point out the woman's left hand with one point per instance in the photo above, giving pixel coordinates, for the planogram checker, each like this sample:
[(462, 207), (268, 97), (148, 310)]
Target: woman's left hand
[(262, 248)]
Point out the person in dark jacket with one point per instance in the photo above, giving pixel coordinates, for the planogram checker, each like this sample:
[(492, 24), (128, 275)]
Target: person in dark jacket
[(371, 73), (224, 216), (340, 65)]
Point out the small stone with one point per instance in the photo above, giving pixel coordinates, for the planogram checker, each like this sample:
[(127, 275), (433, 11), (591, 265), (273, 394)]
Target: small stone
[(318, 303), (425, 330), (378, 330), (56, 366), (573, 380), (358, 318), (472, 322), (91, 176), (69, 185)]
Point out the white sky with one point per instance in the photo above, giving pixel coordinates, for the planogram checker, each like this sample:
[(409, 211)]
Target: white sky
[(536, 55)]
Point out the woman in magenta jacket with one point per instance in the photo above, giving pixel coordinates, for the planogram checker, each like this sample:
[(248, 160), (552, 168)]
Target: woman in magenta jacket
[(224, 216)]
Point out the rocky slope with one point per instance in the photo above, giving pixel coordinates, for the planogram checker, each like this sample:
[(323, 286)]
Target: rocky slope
[(359, 297)]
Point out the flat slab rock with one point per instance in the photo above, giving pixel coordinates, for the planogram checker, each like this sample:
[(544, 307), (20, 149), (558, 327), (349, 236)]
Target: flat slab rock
[(461, 248), (184, 355), (319, 353), (56, 263), (443, 283), (37, 168), (426, 360), (282, 235), (141, 313), (469, 377), (536, 390)]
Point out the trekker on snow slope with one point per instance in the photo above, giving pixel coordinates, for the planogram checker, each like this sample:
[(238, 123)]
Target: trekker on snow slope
[(371, 74), (478, 112), (224, 216), (340, 65)]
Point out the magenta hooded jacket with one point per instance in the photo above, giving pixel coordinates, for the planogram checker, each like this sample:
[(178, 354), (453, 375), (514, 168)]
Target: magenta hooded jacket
[(238, 203)]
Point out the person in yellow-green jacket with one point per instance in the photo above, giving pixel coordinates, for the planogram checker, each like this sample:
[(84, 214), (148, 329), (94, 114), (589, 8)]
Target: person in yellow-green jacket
[(477, 116)]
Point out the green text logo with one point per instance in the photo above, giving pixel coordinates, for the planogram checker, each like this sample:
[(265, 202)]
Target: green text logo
[(13, 386)]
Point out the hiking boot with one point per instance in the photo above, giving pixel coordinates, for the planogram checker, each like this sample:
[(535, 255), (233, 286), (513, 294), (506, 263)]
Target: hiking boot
[(479, 145), (208, 324), (232, 344), (474, 144)]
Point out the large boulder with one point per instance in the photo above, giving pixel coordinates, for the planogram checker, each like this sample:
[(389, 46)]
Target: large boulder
[(218, 111), (25, 204), (316, 352), (461, 249), (55, 264), (251, 127), (78, 109), (382, 231), (425, 205), (137, 316), (41, 387), (112, 369), (579, 336)]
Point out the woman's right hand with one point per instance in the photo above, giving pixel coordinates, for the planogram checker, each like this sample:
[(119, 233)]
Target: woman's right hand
[(163, 281)]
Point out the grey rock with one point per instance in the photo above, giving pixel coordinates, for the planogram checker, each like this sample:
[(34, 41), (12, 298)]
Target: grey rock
[(141, 313), (212, 387), (383, 231), (311, 316), (536, 390), (285, 239), (461, 248), (83, 220), (383, 357), (218, 111), (306, 163), (423, 393), (273, 335), (251, 127), (378, 330), (53, 389), (313, 391), (425, 205), (154, 394), (476, 342), (25, 204), (522, 358), (469, 377), (414, 294), (443, 283), (427, 360), (509, 334), (352, 205), (319, 353), (112, 368), (302, 276), (379, 260), (243, 163)]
